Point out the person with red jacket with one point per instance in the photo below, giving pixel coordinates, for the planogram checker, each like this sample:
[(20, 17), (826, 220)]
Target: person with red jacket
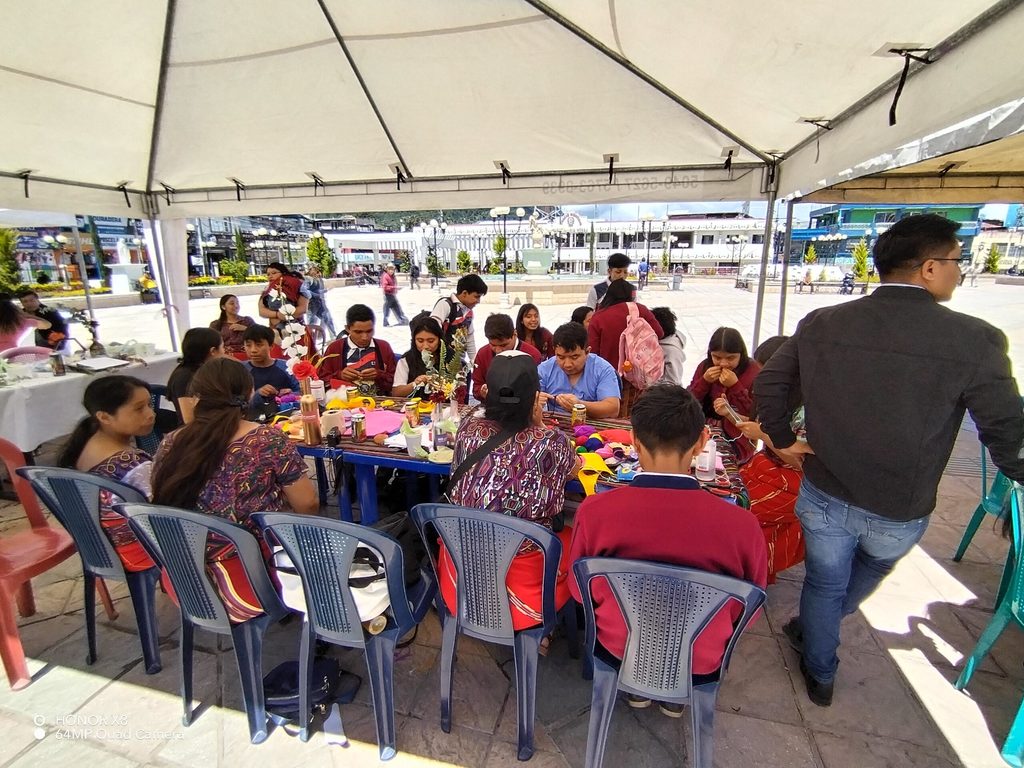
[(727, 376), (389, 283), (609, 321), (666, 517), (358, 358), (501, 337)]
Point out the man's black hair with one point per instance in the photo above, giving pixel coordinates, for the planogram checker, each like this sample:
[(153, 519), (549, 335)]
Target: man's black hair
[(359, 313), (912, 240), (27, 292), (499, 327), (667, 417), (570, 336), (618, 261), (259, 333), (471, 284)]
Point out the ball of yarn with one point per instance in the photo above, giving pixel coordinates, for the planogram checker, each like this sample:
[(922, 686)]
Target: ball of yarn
[(593, 444), (581, 449), (583, 430)]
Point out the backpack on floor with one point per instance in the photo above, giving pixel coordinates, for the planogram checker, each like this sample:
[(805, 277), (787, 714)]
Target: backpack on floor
[(330, 684), (641, 359)]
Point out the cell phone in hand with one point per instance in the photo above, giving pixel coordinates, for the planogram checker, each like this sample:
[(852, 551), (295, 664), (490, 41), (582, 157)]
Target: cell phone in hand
[(731, 414)]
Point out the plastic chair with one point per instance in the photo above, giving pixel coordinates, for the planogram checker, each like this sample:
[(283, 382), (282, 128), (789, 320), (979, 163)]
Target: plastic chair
[(177, 540), (482, 545), (24, 555), (26, 354), (151, 442), (74, 499), (322, 552), (1010, 607), (666, 607), (316, 339)]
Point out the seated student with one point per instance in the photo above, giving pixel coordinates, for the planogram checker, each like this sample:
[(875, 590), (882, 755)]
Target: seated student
[(666, 517), (673, 345), (727, 372), (220, 464), (501, 337), (582, 316), (574, 375), (270, 377), (197, 346), (618, 269), (531, 332), (359, 359), (455, 313), (103, 444), (524, 476), (411, 371)]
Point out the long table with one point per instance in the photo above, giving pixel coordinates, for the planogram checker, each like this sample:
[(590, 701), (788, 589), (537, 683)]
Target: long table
[(46, 407), (365, 457)]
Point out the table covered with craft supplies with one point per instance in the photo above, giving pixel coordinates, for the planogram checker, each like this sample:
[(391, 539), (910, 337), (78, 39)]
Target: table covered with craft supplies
[(36, 406), (391, 442)]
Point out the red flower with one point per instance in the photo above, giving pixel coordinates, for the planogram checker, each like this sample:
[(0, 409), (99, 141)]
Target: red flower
[(304, 370)]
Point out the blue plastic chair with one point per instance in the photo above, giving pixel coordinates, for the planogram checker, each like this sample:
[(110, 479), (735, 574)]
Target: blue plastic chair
[(151, 442), (481, 545), (1011, 607), (322, 552), (74, 499), (177, 540), (666, 607)]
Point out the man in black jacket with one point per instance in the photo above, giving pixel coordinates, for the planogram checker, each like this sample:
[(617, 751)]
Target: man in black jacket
[(885, 382)]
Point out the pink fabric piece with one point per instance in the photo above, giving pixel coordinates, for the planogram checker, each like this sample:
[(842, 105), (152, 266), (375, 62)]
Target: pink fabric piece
[(583, 430), (379, 422)]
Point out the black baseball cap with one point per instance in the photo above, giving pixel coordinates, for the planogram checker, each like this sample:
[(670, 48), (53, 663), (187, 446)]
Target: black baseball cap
[(512, 378)]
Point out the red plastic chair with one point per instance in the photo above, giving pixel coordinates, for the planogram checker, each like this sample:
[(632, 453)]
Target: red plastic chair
[(24, 555)]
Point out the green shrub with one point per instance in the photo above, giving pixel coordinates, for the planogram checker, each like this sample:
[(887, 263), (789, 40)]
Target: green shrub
[(236, 269)]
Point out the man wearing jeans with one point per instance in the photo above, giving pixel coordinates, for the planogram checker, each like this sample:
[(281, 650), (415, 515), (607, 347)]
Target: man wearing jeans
[(885, 381)]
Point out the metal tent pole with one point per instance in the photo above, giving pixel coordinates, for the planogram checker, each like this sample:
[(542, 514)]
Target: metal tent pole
[(81, 268), (766, 248), (787, 243)]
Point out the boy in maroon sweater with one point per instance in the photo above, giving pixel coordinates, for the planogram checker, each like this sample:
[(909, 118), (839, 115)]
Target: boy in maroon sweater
[(664, 516)]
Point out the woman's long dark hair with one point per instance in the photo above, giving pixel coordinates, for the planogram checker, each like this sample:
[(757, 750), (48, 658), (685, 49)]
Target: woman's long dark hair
[(223, 312), (105, 394), (223, 387), (619, 292), (521, 329), (196, 346), (762, 355), (414, 358), (729, 341), (10, 315)]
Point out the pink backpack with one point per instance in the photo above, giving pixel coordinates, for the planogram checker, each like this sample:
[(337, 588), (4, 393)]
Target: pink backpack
[(641, 360)]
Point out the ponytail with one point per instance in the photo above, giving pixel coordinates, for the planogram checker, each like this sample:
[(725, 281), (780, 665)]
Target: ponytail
[(83, 433), (105, 394)]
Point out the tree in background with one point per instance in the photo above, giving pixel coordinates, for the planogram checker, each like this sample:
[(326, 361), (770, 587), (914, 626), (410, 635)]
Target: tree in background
[(463, 263), (860, 260), (236, 269), (240, 254), (592, 242), (404, 261), (665, 262), (434, 265), (9, 274), (811, 255), (992, 260), (319, 253)]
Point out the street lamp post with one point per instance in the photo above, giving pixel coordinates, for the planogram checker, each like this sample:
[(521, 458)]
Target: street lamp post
[(434, 234), (645, 222), (502, 213)]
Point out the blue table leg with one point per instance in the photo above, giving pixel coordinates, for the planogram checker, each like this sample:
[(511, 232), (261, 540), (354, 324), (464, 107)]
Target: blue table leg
[(366, 487), (344, 492), (321, 480), (435, 487)]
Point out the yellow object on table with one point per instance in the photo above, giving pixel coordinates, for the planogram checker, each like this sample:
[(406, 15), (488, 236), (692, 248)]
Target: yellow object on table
[(362, 402)]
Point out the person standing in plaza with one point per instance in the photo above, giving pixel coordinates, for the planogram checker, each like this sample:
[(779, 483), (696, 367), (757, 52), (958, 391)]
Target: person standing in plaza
[(318, 311), (886, 380), (52, 337), (389, 283), (414, 276), (618, 269)]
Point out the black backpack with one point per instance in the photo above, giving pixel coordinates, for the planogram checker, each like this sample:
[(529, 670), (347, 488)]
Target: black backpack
[(331, 684)]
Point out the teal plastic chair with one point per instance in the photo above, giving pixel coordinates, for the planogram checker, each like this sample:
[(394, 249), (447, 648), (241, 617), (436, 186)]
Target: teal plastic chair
[(1011, 606), (993, 502)]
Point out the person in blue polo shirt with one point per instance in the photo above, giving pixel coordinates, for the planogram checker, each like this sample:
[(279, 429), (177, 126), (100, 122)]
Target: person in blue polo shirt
[(270, 377), (574, 375)]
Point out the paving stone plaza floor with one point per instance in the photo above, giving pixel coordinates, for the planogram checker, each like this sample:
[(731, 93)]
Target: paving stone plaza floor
[(894, 702)]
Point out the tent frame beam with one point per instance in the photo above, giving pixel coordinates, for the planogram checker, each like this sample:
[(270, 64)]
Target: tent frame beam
[(365, 88), (633, 69), (161, 88)]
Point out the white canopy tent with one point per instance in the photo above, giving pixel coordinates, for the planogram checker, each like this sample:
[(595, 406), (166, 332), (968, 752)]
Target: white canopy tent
[(182, 108)]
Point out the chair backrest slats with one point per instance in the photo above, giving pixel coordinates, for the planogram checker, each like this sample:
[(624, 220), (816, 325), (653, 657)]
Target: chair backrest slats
[(666, 608), (13, 459)]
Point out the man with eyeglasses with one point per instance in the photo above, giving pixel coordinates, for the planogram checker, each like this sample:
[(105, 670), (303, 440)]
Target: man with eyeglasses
[(885, 381)]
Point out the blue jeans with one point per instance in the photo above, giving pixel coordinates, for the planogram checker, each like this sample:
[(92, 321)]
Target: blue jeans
[(849, 552)]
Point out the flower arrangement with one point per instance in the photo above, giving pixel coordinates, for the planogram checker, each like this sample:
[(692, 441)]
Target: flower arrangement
[(447, 381), (303, 362)]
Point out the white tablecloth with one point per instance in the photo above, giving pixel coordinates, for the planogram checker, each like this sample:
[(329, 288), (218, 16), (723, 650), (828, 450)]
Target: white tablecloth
[(47, 407)]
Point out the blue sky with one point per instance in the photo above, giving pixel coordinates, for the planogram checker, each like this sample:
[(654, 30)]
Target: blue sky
[(633, 211)]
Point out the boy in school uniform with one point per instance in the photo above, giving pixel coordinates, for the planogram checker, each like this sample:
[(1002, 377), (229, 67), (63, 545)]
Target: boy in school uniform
[(665, 516), (455, 312), (359, 359)]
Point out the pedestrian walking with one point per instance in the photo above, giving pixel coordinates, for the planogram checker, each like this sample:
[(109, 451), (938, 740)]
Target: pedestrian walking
[(389, 283), (414, 276)]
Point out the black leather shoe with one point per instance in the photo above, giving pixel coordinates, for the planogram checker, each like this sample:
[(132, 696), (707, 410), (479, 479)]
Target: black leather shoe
[(794, 634), (819, 693)]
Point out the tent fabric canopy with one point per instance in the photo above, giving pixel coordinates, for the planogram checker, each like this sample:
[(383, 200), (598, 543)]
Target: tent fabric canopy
[(406, 105)]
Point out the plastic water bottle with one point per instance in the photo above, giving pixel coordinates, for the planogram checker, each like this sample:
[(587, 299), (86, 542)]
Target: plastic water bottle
[(706, 462)]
